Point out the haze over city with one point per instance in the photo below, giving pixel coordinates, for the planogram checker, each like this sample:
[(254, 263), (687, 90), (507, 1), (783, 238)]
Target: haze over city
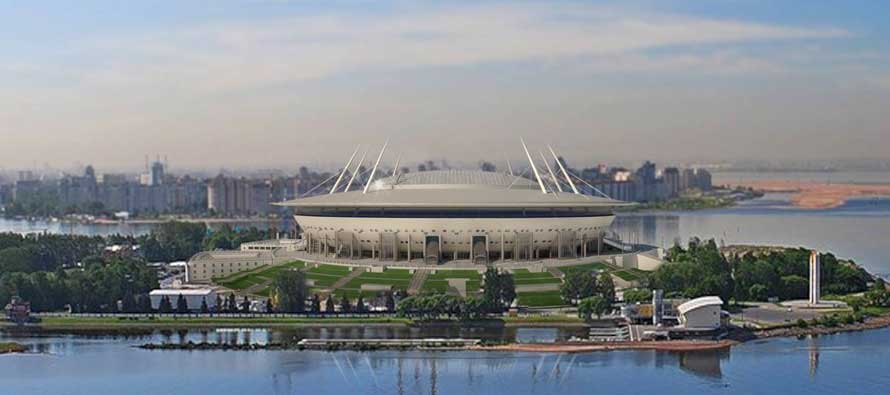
[(275, 83)]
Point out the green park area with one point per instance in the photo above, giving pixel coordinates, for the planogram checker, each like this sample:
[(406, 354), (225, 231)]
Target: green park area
[(438, 282), (629, 274), (585, 267), (261, 275), (540, 299), (394, 278), (525, 277), (325, 276)]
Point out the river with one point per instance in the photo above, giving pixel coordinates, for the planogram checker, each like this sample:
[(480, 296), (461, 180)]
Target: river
[(848, 363)]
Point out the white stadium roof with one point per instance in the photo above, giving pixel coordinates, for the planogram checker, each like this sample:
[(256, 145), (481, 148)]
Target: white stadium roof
[(453, 189)]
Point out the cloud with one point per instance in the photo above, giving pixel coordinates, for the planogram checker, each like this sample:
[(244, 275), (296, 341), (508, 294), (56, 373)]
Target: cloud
[(227, 55), (300, 87)]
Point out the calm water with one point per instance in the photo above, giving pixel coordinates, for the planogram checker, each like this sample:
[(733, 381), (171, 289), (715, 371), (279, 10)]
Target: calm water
[(852, 363), (860, 229), (123, 228)]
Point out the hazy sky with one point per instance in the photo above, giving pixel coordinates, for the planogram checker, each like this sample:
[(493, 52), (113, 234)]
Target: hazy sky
[(277, 82)]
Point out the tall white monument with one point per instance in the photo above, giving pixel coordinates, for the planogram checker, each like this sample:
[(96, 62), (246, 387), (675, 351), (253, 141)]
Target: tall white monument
[(815, 278)]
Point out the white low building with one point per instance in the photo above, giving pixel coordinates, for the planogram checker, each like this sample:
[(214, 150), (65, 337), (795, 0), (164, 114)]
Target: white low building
[(193, 297), (274, 244), (701, 313)]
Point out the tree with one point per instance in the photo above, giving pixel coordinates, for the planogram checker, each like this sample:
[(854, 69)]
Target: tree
[(219, 304), (758, 292), (360, 304), (232, 304), (606, 287), (594, 305), (145, 304), (245, 305), (181, 305), (577, 285), (794, 287), (500, 290), (637, 295), (165, 306), (390, 302), (316, 304), (345, 307), (290, 286), (204, 308), (128, 303)]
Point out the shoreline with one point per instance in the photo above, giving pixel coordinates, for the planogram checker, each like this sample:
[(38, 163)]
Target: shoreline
[(817, 195)]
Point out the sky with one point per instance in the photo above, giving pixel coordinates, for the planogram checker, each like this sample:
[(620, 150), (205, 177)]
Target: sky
[(268, 83)]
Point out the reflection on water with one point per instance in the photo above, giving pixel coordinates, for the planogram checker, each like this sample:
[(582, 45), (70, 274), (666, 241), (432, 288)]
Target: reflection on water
[(814, 356), (109, 364), (703, 363)]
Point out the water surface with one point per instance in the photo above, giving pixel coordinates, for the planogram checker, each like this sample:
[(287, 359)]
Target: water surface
[(853, 363)]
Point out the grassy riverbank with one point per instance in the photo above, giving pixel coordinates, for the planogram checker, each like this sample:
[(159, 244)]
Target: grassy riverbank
[(9, 347), (75, 322), (210, 322)]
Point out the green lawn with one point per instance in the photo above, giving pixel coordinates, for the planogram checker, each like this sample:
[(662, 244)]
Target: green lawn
[(536, 281), (439, 282), (240, 281), (524, 274), (396, 278), (273, 271), (626, 275), (234, 276), (540, 299), (446, 274), (326, 275), (243, 282), (585, 267), (524, 277)]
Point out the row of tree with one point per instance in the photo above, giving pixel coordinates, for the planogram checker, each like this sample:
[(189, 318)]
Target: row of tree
[(498, 294), (702, 269), (95, 288), (581, 284), (45, 252)]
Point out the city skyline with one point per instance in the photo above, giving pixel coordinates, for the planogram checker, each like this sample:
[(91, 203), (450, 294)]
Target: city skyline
[(275, 83)]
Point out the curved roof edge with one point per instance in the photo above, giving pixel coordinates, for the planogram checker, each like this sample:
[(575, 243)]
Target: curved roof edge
[(699, 303)]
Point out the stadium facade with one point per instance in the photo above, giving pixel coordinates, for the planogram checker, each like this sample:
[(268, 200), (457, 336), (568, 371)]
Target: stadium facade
[(441, 216)]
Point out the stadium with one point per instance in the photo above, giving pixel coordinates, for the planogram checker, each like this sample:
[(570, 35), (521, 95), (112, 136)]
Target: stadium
[(435, 217)]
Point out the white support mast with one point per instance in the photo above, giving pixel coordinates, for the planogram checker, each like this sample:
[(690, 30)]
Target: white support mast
[(534, 169), (564, 172), (395, 170), (355, 173), (550, 170), (345, 169), (374, 169)]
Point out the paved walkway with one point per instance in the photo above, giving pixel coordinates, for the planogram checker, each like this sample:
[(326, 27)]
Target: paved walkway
[(254, 289), (357, 271), (556, 272), (417, 281), (537, 287)]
